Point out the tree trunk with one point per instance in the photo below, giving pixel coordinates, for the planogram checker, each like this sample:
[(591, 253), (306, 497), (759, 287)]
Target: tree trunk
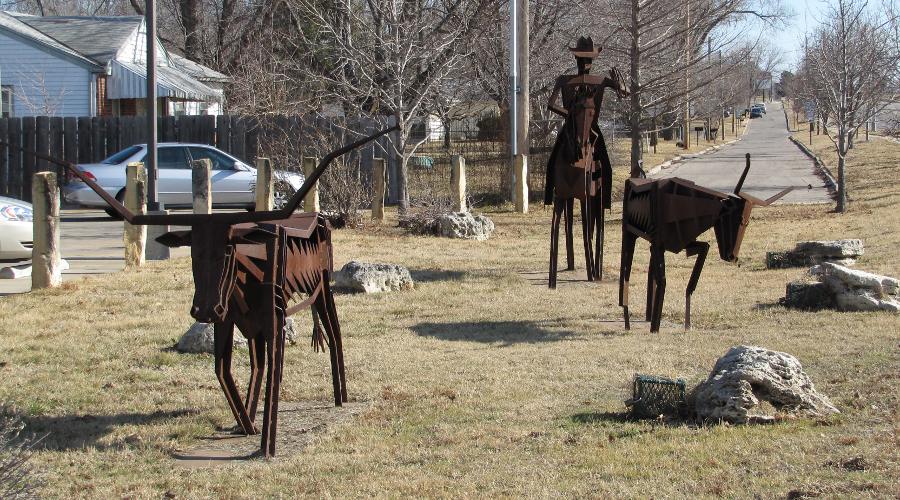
[(191, 21), (841, 185), (635, 103)]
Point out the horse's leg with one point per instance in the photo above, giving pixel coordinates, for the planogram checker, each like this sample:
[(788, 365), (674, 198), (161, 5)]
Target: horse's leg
[(601, 231), (558, 207), (586, 233), (570, 240), (223, 340)]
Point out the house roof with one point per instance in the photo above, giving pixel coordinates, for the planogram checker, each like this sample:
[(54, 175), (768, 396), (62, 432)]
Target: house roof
[(198, 71), (12, 22), (98, 38)]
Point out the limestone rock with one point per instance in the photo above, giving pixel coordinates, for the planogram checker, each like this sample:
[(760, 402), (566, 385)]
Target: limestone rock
[(465, 225), (372, 278), (855, 290), (200, 337), (808, 253), (747, 375)]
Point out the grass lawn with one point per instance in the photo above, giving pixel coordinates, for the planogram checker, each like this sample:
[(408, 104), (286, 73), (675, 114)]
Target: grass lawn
[(482, 381)]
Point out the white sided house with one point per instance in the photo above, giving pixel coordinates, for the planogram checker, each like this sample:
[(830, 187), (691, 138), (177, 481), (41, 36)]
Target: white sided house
[(95, 66)]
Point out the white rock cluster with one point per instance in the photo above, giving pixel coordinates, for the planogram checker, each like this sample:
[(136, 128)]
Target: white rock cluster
[(200, 337), (855, 290), (747, 375), (368, 277), (809, 253), (464, 225)]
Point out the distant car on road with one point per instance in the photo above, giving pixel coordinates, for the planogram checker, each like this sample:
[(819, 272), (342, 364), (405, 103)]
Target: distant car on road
[(756, 112), (15, 229), (760, 107), (233, 181)]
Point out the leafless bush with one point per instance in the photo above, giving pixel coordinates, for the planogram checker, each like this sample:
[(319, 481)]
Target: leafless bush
[(17, 477), (343, 190)]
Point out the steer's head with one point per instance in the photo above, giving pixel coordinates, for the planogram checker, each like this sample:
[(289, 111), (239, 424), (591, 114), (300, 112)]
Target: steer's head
[(735, 215), (213, 264)]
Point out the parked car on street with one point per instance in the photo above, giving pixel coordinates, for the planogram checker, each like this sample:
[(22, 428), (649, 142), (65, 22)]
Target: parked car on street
[(15, 229), (756, 112), (233, 181)]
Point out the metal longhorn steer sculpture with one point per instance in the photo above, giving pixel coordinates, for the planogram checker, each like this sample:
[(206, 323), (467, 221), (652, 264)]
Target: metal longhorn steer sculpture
[(671, 214), (579, 166), (247, 269)]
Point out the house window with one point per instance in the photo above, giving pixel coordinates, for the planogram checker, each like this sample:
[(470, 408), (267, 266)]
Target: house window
[(6, 98)]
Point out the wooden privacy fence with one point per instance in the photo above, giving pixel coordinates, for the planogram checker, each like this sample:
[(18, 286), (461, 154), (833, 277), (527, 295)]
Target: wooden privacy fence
[(86, 139)]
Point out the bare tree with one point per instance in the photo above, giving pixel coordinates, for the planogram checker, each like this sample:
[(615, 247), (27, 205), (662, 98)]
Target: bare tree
[(667, 49), (381, 57), (852, 66)]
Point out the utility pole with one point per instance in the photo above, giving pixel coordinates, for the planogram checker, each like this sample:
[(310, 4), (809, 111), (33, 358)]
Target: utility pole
[(686, 135), (523, 107), (150, 28)]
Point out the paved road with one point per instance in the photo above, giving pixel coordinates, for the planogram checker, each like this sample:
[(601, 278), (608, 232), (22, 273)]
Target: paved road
[(776, 163), (91, 242)]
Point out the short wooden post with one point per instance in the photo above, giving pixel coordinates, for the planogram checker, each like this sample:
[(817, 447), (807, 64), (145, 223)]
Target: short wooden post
[(46, 263), (521, 198), (311, 202), (201, 186), (458, 183), (135, 237), (265, 185), (379, 172)]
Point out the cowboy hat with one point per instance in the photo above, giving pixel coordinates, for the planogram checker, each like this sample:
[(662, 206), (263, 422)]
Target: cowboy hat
[(585, 48)]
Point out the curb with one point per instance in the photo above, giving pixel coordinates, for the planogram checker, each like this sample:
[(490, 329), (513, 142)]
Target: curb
[(820, 165)]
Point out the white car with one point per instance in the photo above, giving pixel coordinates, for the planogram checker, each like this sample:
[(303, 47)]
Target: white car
[(233, 181), (15, 229)]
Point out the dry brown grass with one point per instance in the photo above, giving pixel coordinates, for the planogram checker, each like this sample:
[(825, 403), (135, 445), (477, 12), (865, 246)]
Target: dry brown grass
[(483, 382)]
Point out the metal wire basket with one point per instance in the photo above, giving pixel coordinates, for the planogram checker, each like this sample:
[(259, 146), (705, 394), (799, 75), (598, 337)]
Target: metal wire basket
[(656, 396)]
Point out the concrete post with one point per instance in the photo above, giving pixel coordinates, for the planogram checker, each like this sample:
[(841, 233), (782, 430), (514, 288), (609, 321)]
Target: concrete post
[(265, 185), (46, 264), (201, 186), (458, 183), (135, 237), (379, 170), (311, 202), (521, 195)]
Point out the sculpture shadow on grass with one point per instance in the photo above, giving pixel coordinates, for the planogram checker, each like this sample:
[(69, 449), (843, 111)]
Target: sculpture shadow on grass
[(506, 333), (429, 275), (76, 432)]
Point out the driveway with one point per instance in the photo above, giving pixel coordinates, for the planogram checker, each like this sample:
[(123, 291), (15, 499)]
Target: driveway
[(90, 242), (775, 163)]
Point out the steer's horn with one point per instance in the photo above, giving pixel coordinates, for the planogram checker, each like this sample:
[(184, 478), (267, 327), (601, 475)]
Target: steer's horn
[(740, 184), (767, 201), (123, 211)]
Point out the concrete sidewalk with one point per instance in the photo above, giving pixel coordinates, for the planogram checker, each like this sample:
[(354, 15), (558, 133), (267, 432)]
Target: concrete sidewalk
[(91, 242), (776, 163)]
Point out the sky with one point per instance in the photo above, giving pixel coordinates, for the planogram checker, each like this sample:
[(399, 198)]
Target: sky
[(789, 39)]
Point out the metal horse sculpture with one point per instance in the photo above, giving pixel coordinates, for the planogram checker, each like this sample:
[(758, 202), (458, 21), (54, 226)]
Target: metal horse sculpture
[(250, 270), (579, 166), (671, 214)]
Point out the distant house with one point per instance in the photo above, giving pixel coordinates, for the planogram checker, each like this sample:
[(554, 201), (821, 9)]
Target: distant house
[(95, 66)]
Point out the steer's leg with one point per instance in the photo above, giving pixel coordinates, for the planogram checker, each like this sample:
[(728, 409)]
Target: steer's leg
[(660, 292), (257, 363), (628, 241), (223, 340), (651, 285), (336, 334), (321, 305), (700, 249)]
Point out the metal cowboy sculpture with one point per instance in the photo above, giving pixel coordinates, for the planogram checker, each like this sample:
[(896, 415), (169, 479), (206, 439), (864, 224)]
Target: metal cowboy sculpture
[(579, 166), (252, 270)]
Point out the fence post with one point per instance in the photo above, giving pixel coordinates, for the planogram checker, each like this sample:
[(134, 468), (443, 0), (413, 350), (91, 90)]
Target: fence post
[(46, 264), (311, 202), (200, 186), (135, 237), (378, 186), (458, 183), (265, 184), (521, 194)]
